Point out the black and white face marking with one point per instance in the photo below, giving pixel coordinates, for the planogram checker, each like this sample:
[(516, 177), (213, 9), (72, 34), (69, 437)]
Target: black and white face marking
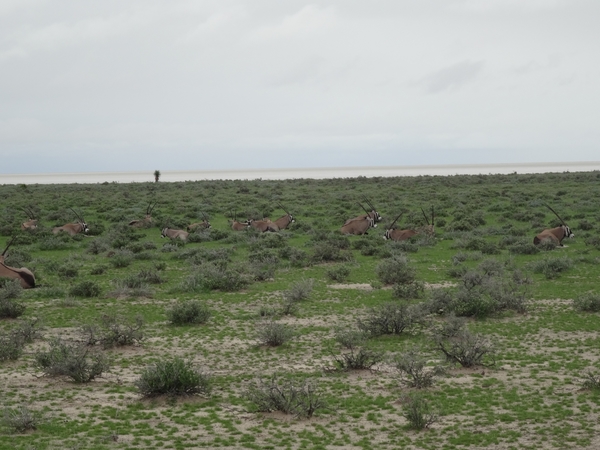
[(292, 220), (568, 232), (84, 227), (387, 235)]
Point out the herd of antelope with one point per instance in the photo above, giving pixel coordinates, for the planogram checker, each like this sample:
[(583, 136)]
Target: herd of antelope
[(359, 225)]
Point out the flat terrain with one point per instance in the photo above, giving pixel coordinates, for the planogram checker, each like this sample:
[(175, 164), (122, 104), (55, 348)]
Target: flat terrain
[(529, 396)]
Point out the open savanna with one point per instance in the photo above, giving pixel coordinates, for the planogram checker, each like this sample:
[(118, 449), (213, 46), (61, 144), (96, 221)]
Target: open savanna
[(530, 395)]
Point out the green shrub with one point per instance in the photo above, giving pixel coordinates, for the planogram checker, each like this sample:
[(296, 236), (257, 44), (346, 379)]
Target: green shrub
[(413, 290), (85, 289), (121, 258), (587, 302), (11, 347), (67, 271), (591, 381), (273, 333), (10, 306), (188, 312), (118, 331), (174, 377), (98, 270), (552, 267), (77, 362), (466, 349), (418, 411), (412, 367), (19, 419), (392, 318), (395, 270), (210, 276), (339, 273), (302, 398), (524, 247), (299, 291)]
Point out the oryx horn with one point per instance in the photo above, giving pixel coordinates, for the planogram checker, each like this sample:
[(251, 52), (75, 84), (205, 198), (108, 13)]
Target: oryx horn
[(425, 215), (394, 222), (370, 204), (78, 216), (8, 245), (281, 206), (560, 218), (432, 216), (363, 208)]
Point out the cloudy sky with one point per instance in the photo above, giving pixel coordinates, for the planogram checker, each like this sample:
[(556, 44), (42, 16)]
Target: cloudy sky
[(225, 84)]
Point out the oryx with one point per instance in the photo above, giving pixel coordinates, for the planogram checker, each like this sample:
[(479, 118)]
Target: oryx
[(398, 235), (372, 214), (174, 234), (555, 234), (31, 224), (24, 275), (146, 221), (284, 221), (204, 224), (73, 228), (359, 225), (263, 225), (238, 226)]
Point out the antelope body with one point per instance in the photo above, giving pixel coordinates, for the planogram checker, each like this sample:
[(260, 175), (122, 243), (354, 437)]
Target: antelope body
[(359, 225), (555, 234), (264, 225), (238, 226), (284, 221), (142, 223), (174, 234), (402, 235), (24, 275), (204, 224), (73, 228)]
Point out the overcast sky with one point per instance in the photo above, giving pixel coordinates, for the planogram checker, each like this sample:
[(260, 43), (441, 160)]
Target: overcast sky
[(199, 85)]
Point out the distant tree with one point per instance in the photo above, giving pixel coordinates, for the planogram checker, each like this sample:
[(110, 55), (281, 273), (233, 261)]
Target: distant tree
[(156, 175)]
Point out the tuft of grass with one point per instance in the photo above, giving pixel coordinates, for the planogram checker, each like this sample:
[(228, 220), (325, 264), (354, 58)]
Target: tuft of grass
[(589, 301), (19, 419), (188, 312), (273, 334), (77, 362)]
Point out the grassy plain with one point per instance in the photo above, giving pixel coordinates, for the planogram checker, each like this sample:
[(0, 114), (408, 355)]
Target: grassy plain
[(531, 398)]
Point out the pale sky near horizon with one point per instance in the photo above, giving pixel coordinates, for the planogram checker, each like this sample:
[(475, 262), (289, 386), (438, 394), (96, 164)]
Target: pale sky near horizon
[(228, 84)]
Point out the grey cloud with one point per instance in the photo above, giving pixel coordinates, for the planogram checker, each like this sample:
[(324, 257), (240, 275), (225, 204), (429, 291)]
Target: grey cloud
[(452, 77)]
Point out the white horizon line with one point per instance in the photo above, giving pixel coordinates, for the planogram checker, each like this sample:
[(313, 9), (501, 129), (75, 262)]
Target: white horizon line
[(305, 172)]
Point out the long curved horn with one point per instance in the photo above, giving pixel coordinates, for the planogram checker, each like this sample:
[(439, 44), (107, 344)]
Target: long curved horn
[(369, 203), (394, 222), (363, 208), (560, 218), (8, 245), (205, 216), (281, 206), (152, 209), (78, 216), (432, 217), (28, 212), (425, 215)]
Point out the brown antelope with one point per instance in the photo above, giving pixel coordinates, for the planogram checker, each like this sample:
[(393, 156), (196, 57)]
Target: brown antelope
[(359, 225), (284, 221), (398, 235), (24, 275), (373, 214), (174, 234), (73, 228), (31, 224), (146, 221), (555, 234), (238, 226), (204, 224), (263, 225)]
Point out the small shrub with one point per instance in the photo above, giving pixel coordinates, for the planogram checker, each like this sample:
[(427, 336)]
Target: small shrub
[(457, 272), (98, 270), (591, 381), (547, 245), (77, 362), (552, 267), (418, 412), (11, 347), (174, 377), (273, 333), (299, 291), (121, 258), (356, 354), (328, 252), (188, 312), (524, 247), (85, 289), (124, 289), (67, 271), (587, 302), (467, 349), (413, 290), (10, 306), (28, 330), (395, 270), (339, 273), (53, 243), (118, 332), (211, 276), (392, 318), (412, 367), (302, 399), (20, 419)]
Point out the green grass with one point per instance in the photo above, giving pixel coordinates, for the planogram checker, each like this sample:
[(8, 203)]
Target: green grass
[(532, 398)]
